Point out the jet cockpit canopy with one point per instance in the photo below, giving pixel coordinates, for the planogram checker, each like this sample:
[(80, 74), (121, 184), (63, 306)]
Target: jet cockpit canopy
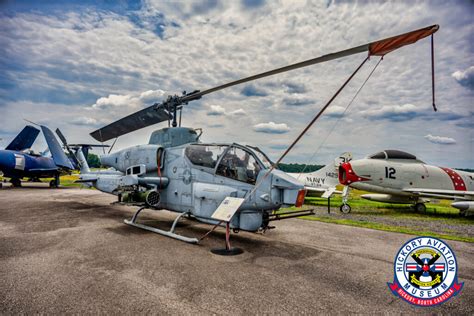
[(393, 154)]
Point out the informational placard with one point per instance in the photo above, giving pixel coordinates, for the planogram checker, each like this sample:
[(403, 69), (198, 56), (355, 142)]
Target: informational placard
[(227, 209)]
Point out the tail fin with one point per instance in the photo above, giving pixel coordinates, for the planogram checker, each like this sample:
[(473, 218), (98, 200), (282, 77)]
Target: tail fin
[(59, 157), (79, 153), (345, 157), (330, 172), (24, 139)]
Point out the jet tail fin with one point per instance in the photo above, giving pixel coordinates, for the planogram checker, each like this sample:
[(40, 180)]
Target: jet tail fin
[(345, 157), (330, 172), (59, 157), (24, 139)]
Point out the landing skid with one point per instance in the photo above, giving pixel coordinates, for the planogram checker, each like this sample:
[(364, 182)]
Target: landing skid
[(170, 233)]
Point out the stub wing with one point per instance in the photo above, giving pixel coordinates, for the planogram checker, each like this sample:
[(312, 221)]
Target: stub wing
[(442, 194)]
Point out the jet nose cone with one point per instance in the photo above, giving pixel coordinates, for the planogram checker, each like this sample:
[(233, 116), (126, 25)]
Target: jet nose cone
[(347, 174), (7, 160)]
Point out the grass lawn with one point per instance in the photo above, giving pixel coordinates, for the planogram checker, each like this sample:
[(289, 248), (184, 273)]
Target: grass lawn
[(440, 219)]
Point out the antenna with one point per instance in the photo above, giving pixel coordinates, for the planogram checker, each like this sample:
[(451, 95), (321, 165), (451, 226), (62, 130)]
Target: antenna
[(32, 122)]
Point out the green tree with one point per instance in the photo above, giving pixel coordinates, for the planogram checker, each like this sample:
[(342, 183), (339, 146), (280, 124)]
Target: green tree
[(93, 160), (297, 167)]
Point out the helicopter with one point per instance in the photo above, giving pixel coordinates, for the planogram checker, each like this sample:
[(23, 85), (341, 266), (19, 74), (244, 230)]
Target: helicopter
[(177, 172)]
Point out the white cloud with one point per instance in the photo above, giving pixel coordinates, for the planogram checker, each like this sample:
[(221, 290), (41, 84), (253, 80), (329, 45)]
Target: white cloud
[(87, 121), (216, 110), (394, 113), (239, 112), (465, 78), (131, 101), (335, 111), (271, 128), (440, 139)]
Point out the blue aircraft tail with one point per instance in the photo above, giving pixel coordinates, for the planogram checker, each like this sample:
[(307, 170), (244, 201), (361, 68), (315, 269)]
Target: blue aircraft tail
[(25, 139), (59, 157)]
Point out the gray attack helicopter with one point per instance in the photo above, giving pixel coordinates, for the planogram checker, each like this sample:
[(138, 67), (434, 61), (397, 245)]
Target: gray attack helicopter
[(177, 172)]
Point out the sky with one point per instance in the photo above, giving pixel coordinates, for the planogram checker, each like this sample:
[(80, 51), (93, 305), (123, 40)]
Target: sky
[(79, 65)]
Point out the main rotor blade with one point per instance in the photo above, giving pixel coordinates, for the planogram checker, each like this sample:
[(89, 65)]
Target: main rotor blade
[(137, 120), (377, 48), (154, 114)]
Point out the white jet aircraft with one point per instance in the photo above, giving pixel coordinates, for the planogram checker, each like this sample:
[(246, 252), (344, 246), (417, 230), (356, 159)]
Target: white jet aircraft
[(399, 177)]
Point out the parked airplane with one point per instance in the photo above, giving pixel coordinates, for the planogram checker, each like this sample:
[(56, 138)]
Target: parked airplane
[(399, 177), (17, 161), (323, 182)]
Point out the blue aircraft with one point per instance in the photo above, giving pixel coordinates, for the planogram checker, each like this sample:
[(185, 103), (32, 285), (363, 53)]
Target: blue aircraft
[(18, 162)]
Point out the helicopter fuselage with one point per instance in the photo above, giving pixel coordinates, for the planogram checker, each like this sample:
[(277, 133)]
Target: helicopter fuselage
[(194, 178)]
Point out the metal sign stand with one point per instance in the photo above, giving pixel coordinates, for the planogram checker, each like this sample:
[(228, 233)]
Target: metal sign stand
[(224, 213), (228, 250)]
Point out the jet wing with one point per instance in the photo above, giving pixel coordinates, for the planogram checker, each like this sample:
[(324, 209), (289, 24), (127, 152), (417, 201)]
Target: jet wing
[(442, 194), (313, 189), (59, 157), (329, 192), (325, 192), (25, 139)]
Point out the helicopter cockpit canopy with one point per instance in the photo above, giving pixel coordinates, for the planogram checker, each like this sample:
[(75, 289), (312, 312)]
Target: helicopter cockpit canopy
[(234, 161)]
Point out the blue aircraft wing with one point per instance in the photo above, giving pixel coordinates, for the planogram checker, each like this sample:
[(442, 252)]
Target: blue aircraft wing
[(25, 139), (59, 157)]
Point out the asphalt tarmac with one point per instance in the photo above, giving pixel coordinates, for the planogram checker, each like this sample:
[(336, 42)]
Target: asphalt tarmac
[(67, 251)]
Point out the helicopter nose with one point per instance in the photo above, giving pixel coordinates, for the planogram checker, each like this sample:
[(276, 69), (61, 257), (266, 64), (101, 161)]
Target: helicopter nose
[(347, 174)]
